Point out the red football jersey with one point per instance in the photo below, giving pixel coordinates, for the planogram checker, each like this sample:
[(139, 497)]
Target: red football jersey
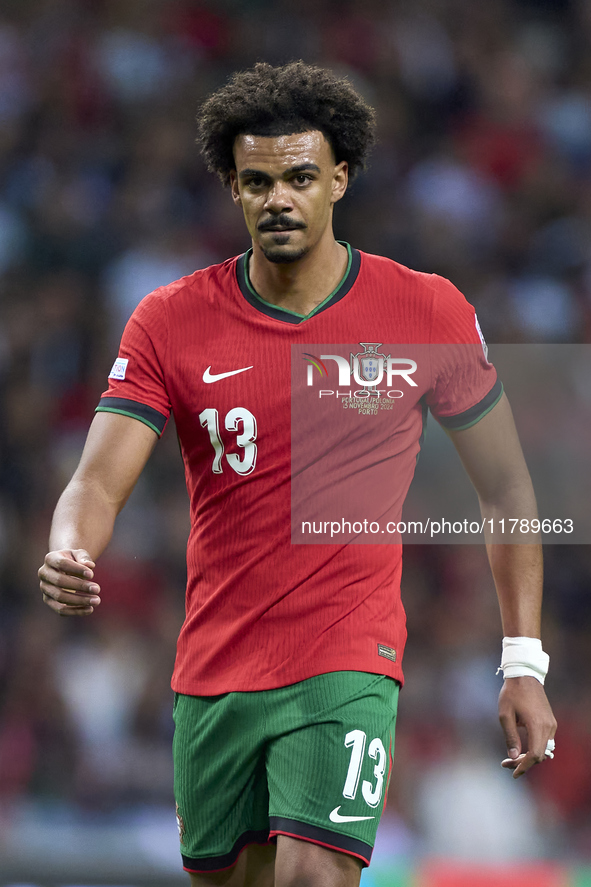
[(264, 610)]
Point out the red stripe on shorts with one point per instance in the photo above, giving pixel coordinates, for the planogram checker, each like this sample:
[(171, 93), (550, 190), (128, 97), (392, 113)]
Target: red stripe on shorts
[(273, 834)]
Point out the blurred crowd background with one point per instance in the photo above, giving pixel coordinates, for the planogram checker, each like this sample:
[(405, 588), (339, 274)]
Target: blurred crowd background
[(482, 173)]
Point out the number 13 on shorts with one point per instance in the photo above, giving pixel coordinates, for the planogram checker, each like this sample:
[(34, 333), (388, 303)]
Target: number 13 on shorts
[(356, 740)]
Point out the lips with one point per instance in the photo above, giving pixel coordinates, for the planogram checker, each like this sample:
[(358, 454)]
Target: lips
[(279, 228)]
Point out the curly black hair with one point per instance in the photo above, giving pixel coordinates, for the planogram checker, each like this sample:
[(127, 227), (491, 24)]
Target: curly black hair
[(274, 101)]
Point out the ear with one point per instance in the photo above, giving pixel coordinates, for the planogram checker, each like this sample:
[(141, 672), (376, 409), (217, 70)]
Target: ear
[(340, 180), (234, 187)]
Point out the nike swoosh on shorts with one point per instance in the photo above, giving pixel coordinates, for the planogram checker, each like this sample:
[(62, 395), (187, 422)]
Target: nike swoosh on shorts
[(215, 377), (335, 816)]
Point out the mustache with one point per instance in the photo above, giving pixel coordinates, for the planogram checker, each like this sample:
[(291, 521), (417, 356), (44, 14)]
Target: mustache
[(280, 222)]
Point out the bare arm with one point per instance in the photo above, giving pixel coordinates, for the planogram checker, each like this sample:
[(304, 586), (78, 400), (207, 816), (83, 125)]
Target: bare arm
[(116, 450), (492, 456)]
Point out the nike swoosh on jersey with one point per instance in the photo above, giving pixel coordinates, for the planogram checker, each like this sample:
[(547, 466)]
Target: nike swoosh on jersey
[(215, 377), (335, 816)]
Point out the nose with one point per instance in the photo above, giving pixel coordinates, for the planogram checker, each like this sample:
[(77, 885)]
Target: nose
[(279, 198)]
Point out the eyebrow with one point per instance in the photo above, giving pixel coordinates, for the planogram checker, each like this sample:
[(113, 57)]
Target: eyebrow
[(301, 167)]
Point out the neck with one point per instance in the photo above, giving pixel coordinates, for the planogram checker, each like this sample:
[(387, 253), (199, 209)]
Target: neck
[(299, 286)]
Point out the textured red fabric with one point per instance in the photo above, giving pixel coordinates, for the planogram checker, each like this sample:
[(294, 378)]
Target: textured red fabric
[(262, 612)]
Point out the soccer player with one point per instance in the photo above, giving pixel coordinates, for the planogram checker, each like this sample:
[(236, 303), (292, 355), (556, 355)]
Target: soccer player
[(289, 660)]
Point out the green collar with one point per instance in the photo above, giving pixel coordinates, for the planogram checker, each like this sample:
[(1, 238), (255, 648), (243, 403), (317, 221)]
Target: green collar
[(285, 314)]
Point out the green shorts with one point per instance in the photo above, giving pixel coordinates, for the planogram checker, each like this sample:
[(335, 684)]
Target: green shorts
[(311, 760)]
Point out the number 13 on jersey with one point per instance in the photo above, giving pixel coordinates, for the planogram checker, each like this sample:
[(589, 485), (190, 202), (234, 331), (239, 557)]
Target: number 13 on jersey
[(244, 423)]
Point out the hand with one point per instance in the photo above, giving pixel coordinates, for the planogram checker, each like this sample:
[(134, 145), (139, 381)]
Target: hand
[(527, 721), (64, 582)]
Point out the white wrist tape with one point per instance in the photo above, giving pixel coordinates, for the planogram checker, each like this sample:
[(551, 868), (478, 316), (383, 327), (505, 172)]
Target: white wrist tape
[(524, 657)]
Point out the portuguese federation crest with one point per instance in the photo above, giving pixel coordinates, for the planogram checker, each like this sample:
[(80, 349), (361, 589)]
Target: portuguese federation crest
[(180, 824), (368, 367)]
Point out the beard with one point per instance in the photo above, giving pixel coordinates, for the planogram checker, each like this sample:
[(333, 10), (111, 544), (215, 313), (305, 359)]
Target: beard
[(278, 250), (282, 256)]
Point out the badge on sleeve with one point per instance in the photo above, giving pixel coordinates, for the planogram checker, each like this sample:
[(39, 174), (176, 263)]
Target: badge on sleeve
[(119, 368), (482, 339)]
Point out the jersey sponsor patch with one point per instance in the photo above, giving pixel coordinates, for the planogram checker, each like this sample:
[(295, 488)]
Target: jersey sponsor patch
[(119, 368), (387, 652)]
